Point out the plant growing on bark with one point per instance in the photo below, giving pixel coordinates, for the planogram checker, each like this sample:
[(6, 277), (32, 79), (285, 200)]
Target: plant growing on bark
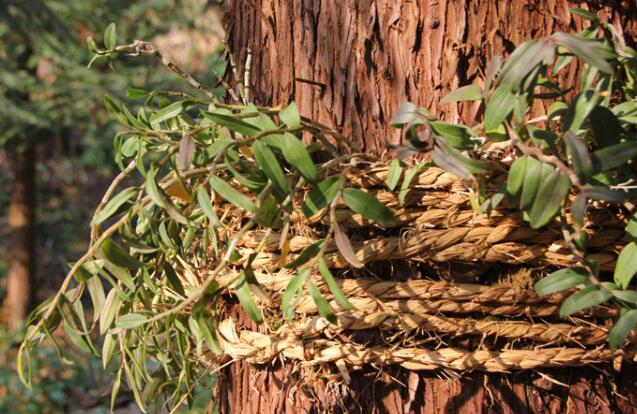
[(215, 175), (582, 151)]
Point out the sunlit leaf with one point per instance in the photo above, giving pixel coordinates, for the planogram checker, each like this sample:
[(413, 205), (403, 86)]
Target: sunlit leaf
[(626, 266), (323, 306), (110, 36), (290, 116), (242, 290), (321, 195), (297, 156), (560, 280), (498, 107), (588, 297), (270, 166), (130, 321), (230, 194), (464, 93), (339, 296), (393, 174), (622, 328), (367, 205), (291, 294)]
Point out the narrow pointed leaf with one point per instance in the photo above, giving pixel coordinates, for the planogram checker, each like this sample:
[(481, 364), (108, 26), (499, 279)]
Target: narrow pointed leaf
[(230, 194), (464, 93), (499, 107), (321, 196), (622, 328), (338, 294), (297, 156), (270, 166), (585, 298), (626, 266), (560, 280), (290, 116), (549, 199), (323, 306), (242, 290), (291, 293), (114, 204), (367, 205)]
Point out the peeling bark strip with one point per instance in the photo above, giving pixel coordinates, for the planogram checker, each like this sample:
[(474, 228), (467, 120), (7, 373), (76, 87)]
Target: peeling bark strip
[(350, 63)]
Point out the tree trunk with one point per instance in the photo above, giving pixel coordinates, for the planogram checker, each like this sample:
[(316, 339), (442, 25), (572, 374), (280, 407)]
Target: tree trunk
[(21, 229), (349, 64)]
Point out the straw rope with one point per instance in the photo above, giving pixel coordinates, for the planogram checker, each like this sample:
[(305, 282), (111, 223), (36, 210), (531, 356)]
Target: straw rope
[(255, 347), (408, 322)]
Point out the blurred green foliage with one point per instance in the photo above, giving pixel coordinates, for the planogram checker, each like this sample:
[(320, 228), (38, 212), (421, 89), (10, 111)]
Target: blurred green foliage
[(50, 98)]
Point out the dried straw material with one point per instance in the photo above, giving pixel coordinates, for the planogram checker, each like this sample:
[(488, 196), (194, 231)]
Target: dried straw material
[(255, 347), (408, 322)]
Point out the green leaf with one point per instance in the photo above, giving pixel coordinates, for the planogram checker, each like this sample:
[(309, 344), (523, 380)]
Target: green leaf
[(110, 36), (242, 290), (310, 252), (560, 280), (268, 212), (588, 297), (499, 107), (455, 162), (206, 206), (291, 293), (599, 192), (117, 256), (297, 156), (614, 156), (230, 194), (114, 204), (464, 93), (393, 174), (594, 52), (324, 308), (290, 116), (626, 295), (409, 177), (522, 62), (631, 228), (136, 93), (622, 328), (270, 166), (367, 205), (580, 109), (130, 321), (321, 196), (584, 14), (580, 157), (626, 266), (606, 127), (345, 247), (516, 176), (531, 183), (458, 136), (549, 199), (168, 112), (578, 208), (233, 123), (339, 296), (109, 310)]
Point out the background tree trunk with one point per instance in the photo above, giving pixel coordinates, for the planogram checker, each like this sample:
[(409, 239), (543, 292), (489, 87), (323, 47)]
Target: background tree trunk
[(349, 64), (21, 230)]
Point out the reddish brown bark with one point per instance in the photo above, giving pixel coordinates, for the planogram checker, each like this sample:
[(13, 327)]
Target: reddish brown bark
[(363, 58), (21, 230), (349, 64)]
